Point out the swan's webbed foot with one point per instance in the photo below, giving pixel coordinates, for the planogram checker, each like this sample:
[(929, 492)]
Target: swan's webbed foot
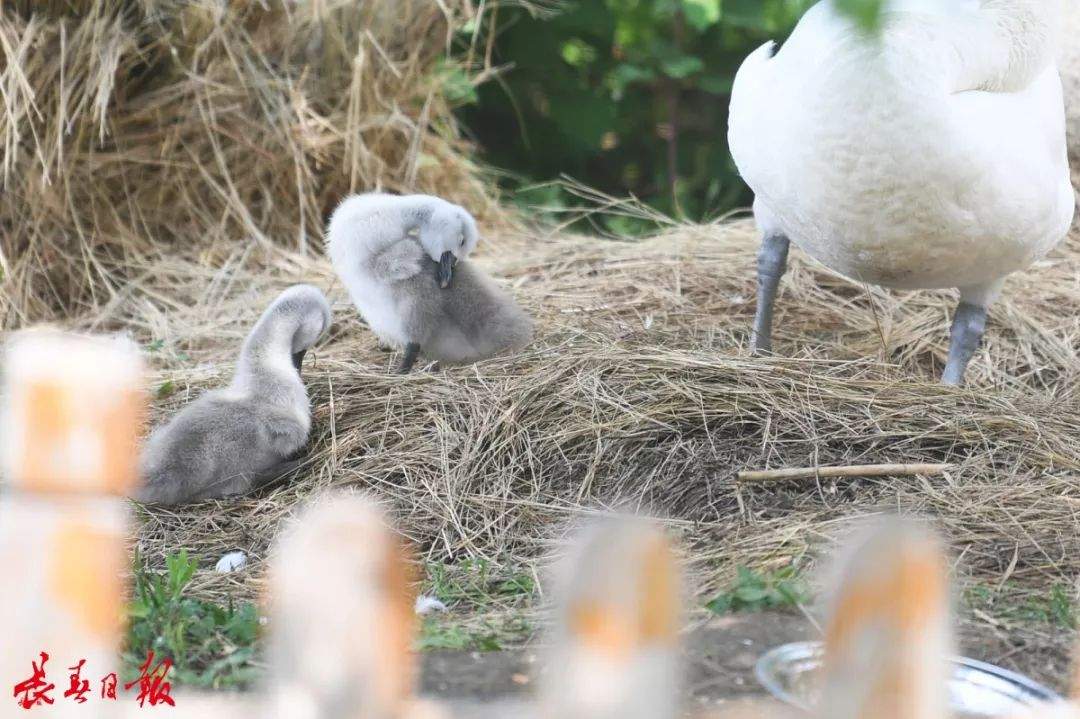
[(772, 262), (968, 326), (412, 352)]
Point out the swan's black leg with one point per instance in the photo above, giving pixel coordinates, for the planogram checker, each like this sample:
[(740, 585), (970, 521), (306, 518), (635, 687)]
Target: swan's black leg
[(412, 352)]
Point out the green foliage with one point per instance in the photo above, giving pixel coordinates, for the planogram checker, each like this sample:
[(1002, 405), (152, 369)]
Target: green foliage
[(157, 345), (476, 583), (484, 635), (210, 645), (754, 592), (165, 389), (456, 84), (629, 97), (702, 14), (1056, 607), (484, 601)]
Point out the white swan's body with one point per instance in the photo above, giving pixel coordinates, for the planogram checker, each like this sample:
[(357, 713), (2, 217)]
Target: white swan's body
[(931, 156), (1069, 64)]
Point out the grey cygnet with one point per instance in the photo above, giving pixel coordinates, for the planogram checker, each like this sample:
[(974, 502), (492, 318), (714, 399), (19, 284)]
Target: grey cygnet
[(404, 261), (232, 440)]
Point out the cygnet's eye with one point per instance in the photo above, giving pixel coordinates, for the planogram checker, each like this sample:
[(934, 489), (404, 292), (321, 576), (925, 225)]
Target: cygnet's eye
[(413, 232), (461, 240)]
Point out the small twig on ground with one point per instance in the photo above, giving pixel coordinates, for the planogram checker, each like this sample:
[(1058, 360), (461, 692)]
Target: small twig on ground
[(854, 470)]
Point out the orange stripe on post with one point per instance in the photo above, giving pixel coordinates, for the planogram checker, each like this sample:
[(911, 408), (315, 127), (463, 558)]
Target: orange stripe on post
[(399, 623), (85, 577), (73, 408), (120, 442), (659, 593), (602, 628), (47, 425)]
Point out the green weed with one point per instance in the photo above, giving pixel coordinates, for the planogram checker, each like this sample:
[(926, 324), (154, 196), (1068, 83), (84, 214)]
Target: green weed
[(754, 592), (210, 645)]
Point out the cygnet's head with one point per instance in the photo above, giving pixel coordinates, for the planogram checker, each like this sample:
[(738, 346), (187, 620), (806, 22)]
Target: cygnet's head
[(449, 234), (306, 309)]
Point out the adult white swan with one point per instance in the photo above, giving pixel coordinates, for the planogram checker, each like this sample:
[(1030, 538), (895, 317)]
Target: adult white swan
[(932, 155)]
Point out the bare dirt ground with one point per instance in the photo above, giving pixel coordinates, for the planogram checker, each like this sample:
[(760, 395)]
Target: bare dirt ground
[(719, 657)]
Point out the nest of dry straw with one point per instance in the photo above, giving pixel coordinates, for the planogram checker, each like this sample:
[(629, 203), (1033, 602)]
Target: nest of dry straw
[(639, 390), (133, 128)]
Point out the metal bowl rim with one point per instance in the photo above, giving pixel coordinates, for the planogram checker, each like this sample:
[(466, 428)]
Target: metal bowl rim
[(810, 648)]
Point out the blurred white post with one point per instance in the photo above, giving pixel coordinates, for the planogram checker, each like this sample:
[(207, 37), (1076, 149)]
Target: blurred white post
[(71, 408), (342, 622), (615, 652)]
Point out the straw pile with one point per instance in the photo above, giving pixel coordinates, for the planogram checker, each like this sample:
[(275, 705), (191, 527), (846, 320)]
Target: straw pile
[(138, 128)]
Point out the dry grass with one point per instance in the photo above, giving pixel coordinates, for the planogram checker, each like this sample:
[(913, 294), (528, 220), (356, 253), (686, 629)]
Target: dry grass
[(639, 390), (135, 128)]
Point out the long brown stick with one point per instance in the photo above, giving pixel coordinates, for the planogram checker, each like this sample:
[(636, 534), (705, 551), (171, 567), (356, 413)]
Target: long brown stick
[(853, 470)]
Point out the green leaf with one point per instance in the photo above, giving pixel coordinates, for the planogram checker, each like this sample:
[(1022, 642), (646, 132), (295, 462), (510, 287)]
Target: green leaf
[(751, 595), (166, 389), (748, 14), (701, 14), (625, 75), (211, 645), (138, 610), (754, 591), (180, 569), (682, 67), (578, 53), (745, 575), (790, 592), (720, 605), (457, 86)]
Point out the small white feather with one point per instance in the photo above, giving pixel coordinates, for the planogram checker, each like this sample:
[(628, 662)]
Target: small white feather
[(428, 605), (231, 562)]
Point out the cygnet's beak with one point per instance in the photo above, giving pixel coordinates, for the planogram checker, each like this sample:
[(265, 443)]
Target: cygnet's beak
[(446, 269), (298, 359)]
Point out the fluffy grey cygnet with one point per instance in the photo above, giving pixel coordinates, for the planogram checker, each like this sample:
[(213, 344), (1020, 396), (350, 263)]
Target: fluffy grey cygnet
[(232, 440), (403, 260)]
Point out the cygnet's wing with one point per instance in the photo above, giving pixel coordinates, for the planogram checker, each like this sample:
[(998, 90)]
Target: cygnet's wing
[(487, 315), (398, 261)]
